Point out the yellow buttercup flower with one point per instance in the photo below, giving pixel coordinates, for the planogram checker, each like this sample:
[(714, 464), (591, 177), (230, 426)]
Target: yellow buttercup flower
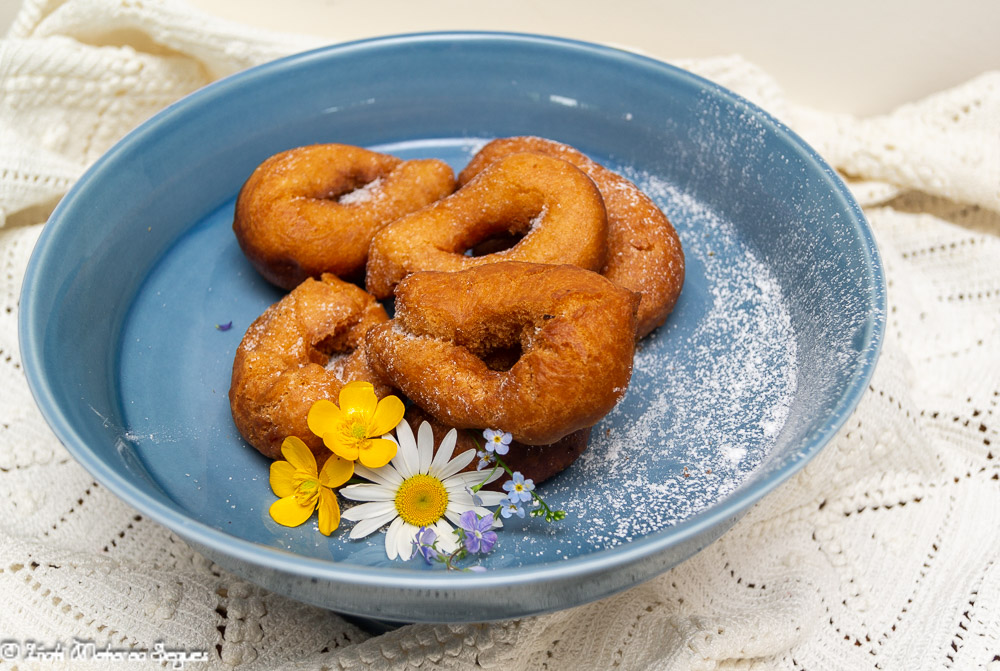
[(354, 430), (303, 488)]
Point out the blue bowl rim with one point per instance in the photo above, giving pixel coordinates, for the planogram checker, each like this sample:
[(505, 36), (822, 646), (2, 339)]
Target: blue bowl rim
[(31, 326)]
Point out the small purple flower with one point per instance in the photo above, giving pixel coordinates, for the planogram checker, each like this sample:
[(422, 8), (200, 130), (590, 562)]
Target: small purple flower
[(478, 537), (485, 459), (509, 508), (497, 441), (518, 489), (224, 327), (424, 544)]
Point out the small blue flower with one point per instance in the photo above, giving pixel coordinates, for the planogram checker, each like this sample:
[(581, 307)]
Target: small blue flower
[(509, 508), (478, 537), (424, 544), (497, 441), (485, 459), (224, 327), (518, 489)]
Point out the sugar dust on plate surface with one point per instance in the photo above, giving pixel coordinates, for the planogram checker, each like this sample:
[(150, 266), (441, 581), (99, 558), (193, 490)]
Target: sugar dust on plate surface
[(727, 402)]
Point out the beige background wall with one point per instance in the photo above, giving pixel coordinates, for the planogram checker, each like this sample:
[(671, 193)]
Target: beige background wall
[(858, 56)]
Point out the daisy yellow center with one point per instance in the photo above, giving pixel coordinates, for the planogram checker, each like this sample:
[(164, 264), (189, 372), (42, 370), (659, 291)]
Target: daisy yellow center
[(421, 500)]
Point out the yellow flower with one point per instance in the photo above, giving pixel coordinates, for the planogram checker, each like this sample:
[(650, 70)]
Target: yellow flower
[(303, 490), (354, 430)]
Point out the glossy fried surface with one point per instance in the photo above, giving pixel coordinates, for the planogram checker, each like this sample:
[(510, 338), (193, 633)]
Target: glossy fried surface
[(644, 252), (314, 209), (550, 208), (303, 348), (538, 350)]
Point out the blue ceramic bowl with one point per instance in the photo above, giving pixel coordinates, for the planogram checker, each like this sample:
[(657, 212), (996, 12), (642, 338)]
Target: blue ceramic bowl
[(766, 354)]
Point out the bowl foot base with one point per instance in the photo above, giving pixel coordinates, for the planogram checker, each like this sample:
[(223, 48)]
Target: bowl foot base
[(372, 625)]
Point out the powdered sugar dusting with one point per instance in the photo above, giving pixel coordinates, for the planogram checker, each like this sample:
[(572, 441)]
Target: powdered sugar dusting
[(362, 194), (709, 395)]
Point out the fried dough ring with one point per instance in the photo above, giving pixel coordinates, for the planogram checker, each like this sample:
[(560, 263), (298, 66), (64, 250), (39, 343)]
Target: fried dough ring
[(574, 332), (304, 348), (644, 252), (553, 204), (314, 209)]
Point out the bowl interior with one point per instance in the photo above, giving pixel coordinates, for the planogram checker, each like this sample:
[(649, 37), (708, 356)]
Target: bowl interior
[(767, 352)]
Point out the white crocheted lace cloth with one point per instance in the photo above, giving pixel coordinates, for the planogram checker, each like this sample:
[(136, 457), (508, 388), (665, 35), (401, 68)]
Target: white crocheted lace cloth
[(881, 554)]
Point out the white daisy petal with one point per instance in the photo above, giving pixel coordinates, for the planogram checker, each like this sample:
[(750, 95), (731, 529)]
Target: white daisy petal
[(392, 536), (457, 464), (368, 492), (404, 435), (495, 475), (405, 539), (460, 498), (454, 516), (406, 460), (490, 498), (386, 475), (443, 454), (366, 510), (453, 486), (447, 540), (425, 447), (368, 525), (463, 499), (467, 479)]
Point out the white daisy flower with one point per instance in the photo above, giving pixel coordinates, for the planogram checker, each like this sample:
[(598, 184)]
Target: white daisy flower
[(418, 488)]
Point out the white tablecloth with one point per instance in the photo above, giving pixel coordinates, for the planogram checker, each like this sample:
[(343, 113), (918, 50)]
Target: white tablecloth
[(881, 554)]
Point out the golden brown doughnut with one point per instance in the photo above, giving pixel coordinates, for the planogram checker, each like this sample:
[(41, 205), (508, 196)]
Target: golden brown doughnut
[(569, 332), (644, 252), (551, 203), (314, 209), (302, 349), (538, 462)]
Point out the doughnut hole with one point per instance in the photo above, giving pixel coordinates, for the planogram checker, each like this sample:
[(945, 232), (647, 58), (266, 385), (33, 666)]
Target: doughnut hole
[(525, 207), (538, 350), (496, 244), (644, 251)]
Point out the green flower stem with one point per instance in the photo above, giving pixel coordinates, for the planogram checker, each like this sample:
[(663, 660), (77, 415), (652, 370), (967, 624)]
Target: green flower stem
[(449, 560), (504, 466), (550, 515), (488, 476)]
